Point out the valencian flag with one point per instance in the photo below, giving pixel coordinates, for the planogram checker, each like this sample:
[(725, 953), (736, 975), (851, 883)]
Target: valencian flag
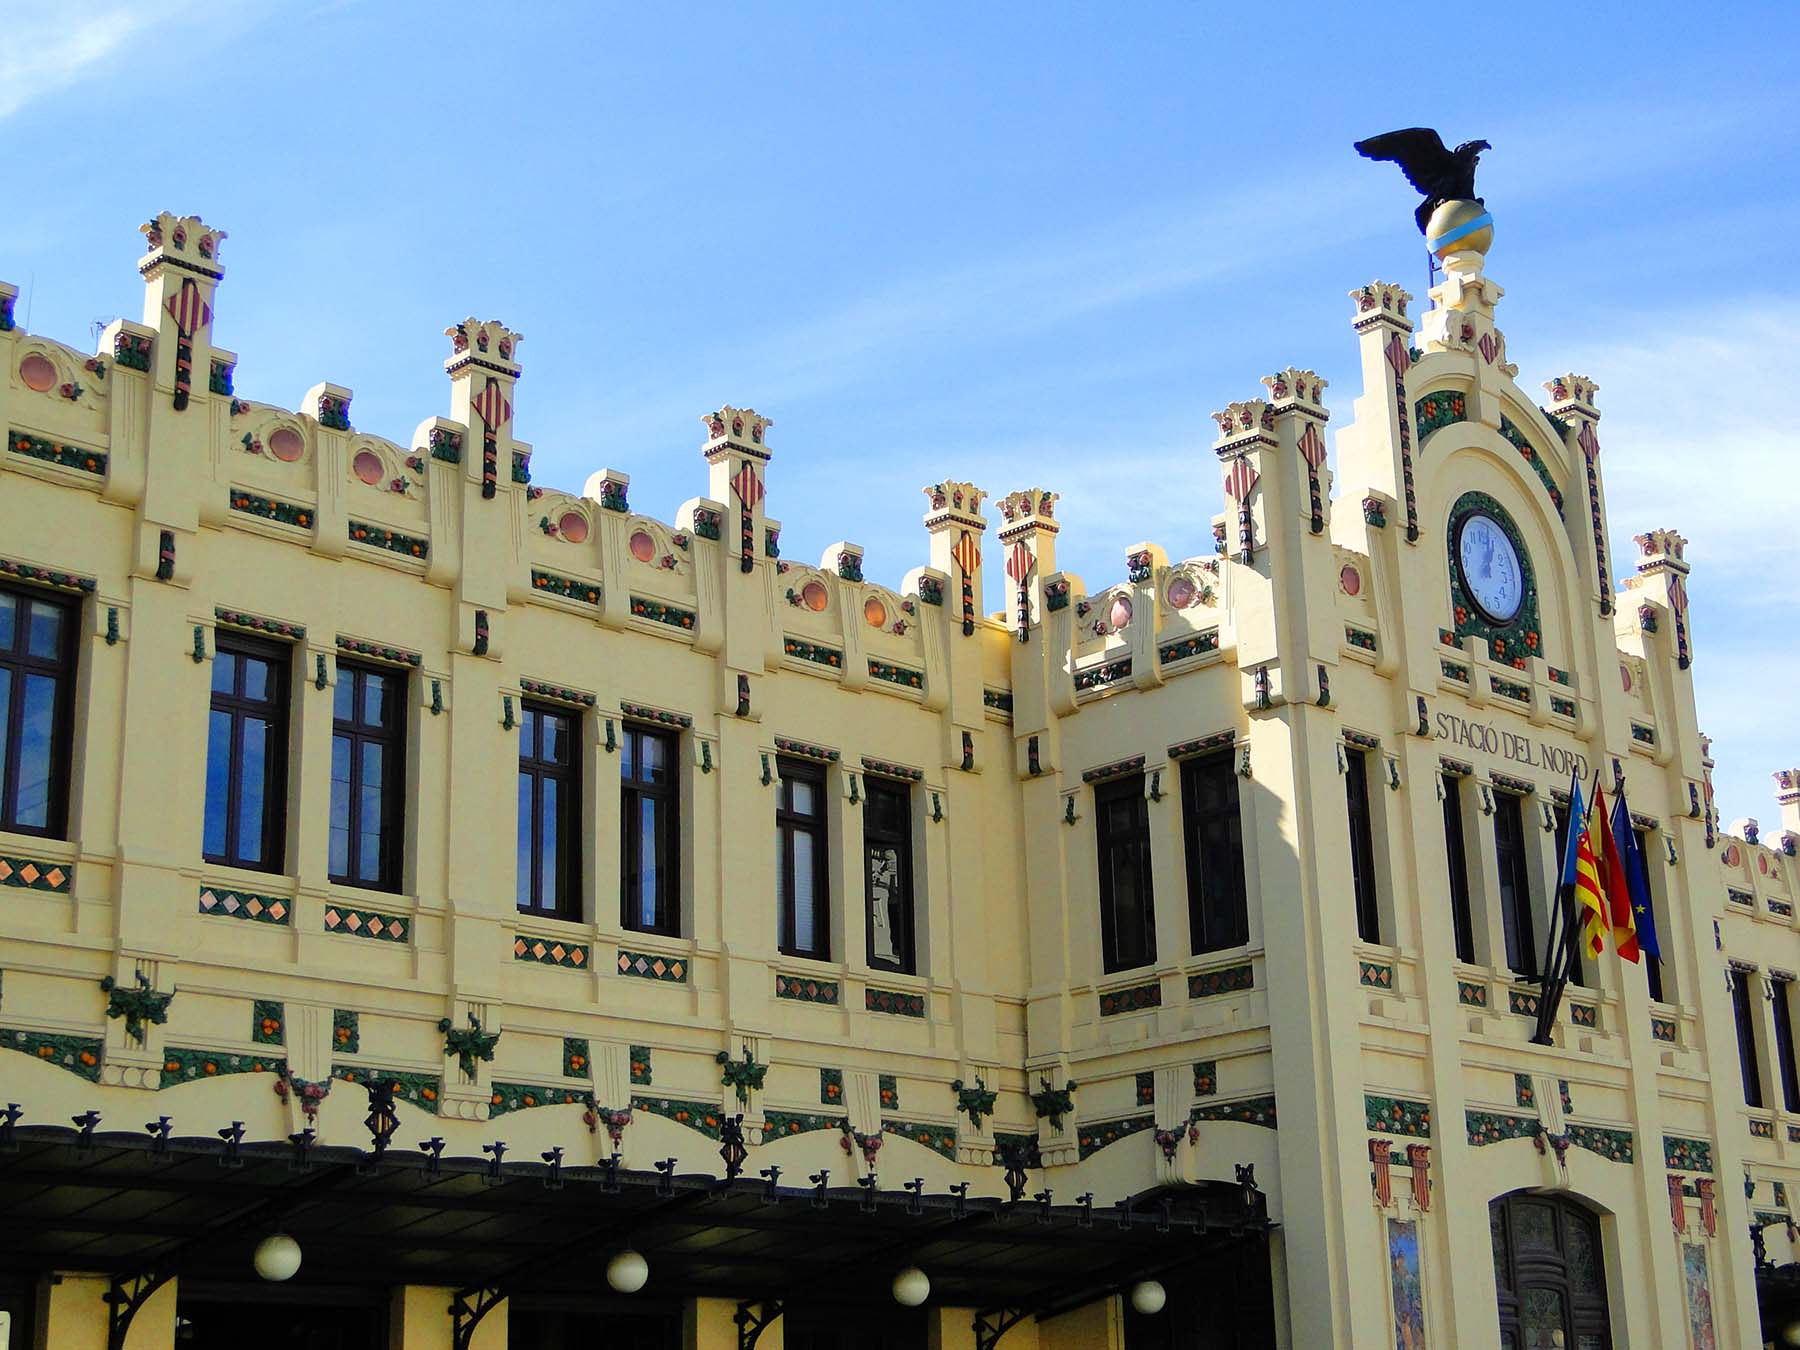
[(1581, 871), (1616, 890), (1637, 881)]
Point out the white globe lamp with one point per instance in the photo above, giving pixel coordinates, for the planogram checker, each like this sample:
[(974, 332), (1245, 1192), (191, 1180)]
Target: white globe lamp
[(912, 1287), (277, 1258), (627, 1272), (1148, 1297)]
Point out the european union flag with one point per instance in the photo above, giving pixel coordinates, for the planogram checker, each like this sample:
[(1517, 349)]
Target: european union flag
[(1637, 878)]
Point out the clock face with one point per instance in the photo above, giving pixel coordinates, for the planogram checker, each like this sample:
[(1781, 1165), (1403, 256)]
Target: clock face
[(1491, 572)]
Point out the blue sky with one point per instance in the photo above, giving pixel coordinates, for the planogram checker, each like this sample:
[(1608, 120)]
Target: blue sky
[(1021, 244)]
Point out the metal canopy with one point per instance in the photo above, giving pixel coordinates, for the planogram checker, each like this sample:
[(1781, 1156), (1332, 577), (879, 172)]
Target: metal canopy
[(195, 1208)]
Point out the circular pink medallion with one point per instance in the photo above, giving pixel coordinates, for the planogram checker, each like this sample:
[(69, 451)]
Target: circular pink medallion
[(875, 612), (1731, 855), (285, 444), (367, 466), (37, 371), (814, 596), (1625, 676), (1182, 592), (643, 547), (573, 527), (1351, 580), (1119, 616)]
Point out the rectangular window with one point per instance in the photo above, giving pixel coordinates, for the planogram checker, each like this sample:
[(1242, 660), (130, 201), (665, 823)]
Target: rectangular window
[(802, 847), (1217, 916), (649, 857), (246, 755), (1743, 1014), (1127, 910), (887, 866), (549, 858), (368, 775), (1362, 844), (1653, 970), (1462, 918), (37, 700), (1783, 1009), (1515, 884)]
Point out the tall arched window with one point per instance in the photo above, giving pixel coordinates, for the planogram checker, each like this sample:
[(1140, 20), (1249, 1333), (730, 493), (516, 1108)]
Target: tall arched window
[(1550, 1272)]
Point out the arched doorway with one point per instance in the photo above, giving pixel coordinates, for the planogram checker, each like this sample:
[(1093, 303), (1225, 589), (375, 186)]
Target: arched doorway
[(1551, 1274)]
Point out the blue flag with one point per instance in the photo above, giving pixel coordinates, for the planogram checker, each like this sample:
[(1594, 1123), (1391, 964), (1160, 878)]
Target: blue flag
[(1577, 823), (1637, 878)]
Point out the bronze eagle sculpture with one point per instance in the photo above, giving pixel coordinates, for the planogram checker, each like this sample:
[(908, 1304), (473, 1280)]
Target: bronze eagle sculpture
[(1443, 175)]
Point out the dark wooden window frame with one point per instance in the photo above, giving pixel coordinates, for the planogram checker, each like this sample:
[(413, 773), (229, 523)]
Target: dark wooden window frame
[(1743, 1017), (788, 824), (60, 668), (1456, 852), (667, 795), (899, 837), (1512, 856), (391, 843), (276, 710), (568, 834), (1783, 1008), (1218, 909), (1130, 791), (1362, 844)]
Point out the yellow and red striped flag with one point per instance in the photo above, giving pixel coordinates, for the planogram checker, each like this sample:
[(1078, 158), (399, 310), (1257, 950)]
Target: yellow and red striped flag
[(1581, 869)]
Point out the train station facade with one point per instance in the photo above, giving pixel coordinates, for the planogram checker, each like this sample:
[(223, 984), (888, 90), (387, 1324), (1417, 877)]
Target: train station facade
[(541, 915)]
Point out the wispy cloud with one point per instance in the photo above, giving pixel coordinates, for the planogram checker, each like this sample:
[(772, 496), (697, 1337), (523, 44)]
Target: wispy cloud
[(1693, 441), (60, 45)]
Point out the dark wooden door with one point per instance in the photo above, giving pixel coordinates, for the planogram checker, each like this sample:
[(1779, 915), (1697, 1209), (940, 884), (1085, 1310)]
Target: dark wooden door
[(1550, 1272)]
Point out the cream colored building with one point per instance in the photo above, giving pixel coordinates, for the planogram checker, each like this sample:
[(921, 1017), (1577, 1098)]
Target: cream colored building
[(336, 761)]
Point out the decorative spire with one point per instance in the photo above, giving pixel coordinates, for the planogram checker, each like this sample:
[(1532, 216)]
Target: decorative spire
[(483, 368), (737, 450), (1029, 538), (955, 523), (181, 271)]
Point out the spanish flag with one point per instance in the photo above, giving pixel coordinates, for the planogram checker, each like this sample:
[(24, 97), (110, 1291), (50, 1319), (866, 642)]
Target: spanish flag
[(1615, 884), (1581, 871)]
